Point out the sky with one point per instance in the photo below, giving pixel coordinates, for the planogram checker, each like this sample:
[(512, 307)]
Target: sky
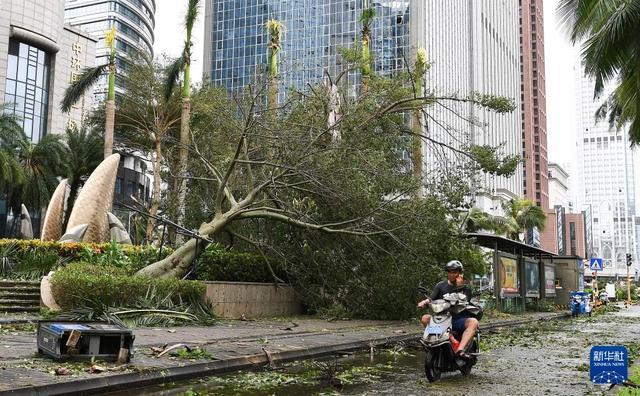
[(560, 58), (170, 33)]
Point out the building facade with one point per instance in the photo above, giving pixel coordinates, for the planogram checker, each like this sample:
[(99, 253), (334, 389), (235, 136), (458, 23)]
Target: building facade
[(565, 234), (134, 21), (606, 182), (533, 106), (39, 58), (473, 47), (559, 193)]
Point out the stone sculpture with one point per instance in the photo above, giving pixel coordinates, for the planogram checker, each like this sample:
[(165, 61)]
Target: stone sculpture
[(26, 229), (54, 218)]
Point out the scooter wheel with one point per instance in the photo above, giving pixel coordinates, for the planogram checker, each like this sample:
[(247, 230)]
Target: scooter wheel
[(466, 369), (430, 368)]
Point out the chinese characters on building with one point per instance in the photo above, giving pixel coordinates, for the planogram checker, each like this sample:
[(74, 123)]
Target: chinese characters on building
[(76, 67)]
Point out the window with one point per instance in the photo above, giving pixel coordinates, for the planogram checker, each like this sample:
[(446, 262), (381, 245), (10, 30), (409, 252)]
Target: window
[(27, 92)]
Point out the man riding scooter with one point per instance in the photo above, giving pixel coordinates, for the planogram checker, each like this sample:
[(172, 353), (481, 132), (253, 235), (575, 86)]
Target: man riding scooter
[(462, 323)]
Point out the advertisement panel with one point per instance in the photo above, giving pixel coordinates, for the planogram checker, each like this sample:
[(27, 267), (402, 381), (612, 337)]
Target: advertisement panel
[(532, 273), (549, 281), (509, 281)]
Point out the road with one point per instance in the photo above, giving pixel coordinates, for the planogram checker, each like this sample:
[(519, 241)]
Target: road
[(549, 358)]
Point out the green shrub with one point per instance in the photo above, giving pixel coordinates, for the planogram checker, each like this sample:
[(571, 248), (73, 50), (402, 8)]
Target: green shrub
[(33, 265), (14, 252), (217, 264), (89, 286)]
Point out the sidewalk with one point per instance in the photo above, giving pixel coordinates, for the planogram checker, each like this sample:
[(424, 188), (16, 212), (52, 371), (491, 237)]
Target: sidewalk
[(234, 345)]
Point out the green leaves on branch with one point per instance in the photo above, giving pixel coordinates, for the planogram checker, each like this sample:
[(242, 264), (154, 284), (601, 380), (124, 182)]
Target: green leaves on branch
[(490, 161), (498, 104)]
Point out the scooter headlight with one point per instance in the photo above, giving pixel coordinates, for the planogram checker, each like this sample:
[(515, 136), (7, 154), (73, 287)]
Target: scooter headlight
[(439, 306)]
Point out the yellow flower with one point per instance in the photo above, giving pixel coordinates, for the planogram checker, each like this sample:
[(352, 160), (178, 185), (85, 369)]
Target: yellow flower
[(110, 37)]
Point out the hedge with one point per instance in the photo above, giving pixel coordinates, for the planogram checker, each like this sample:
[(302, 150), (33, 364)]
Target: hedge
[(18, 250), (87, 285), (217, 264)]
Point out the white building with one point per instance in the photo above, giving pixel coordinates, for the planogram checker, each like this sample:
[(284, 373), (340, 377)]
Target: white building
[(606, 182), (559, 187), (474, 47)]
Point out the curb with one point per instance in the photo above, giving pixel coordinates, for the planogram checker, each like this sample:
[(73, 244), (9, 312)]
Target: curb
[(131, 381)]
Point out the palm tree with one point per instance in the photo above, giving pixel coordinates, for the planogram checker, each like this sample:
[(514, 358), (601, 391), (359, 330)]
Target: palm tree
[(147, 121), (183, 64), (83, 154), (40, 163), (366, 18), (521, 215), (420, 69), (610, 33), (275, 30), (87, 79), (10, 135)]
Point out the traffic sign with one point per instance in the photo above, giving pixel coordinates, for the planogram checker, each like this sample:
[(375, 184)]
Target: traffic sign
[(608, 364), (595, 264)]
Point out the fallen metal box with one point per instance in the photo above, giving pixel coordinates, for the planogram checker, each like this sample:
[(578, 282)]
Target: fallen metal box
[(97, 339)]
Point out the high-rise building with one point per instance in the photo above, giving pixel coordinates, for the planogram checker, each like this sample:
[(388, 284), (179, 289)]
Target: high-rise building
[(134, 21), (473, 47), (606, 182), (236, 38), (533, 106)]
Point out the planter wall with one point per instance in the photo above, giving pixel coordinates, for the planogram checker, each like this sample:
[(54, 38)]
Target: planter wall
[(234, 299)]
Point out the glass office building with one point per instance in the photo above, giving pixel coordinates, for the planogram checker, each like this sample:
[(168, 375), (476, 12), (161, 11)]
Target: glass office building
[(315, 30)]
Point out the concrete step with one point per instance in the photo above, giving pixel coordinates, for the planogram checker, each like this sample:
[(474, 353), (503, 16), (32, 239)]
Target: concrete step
[(19, 309), (10, 283), (19, 296), (18, 303)]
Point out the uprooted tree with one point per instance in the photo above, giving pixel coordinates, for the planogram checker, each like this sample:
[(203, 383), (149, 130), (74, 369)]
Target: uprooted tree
[(284, 166)]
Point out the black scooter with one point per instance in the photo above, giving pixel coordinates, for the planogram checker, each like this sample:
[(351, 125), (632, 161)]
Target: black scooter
[(438, 338)]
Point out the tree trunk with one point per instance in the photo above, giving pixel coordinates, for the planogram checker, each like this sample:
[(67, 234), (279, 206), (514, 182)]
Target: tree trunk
[(177, 263), (184, 142), (155, 198), (108, 127), (174, 265), (416, 146)]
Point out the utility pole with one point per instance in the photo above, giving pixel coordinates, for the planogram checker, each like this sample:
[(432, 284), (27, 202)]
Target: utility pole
[(629, 262)]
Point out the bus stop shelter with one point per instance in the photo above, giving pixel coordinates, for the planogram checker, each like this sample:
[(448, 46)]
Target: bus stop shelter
[(523, 273)]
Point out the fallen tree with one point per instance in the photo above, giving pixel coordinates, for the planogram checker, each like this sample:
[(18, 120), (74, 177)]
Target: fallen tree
[(284, 165)]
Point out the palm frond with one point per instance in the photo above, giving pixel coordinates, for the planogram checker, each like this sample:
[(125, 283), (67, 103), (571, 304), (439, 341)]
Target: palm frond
[(367, 16), (77, 90), (192, 14), (276, 29), (172, 75)]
